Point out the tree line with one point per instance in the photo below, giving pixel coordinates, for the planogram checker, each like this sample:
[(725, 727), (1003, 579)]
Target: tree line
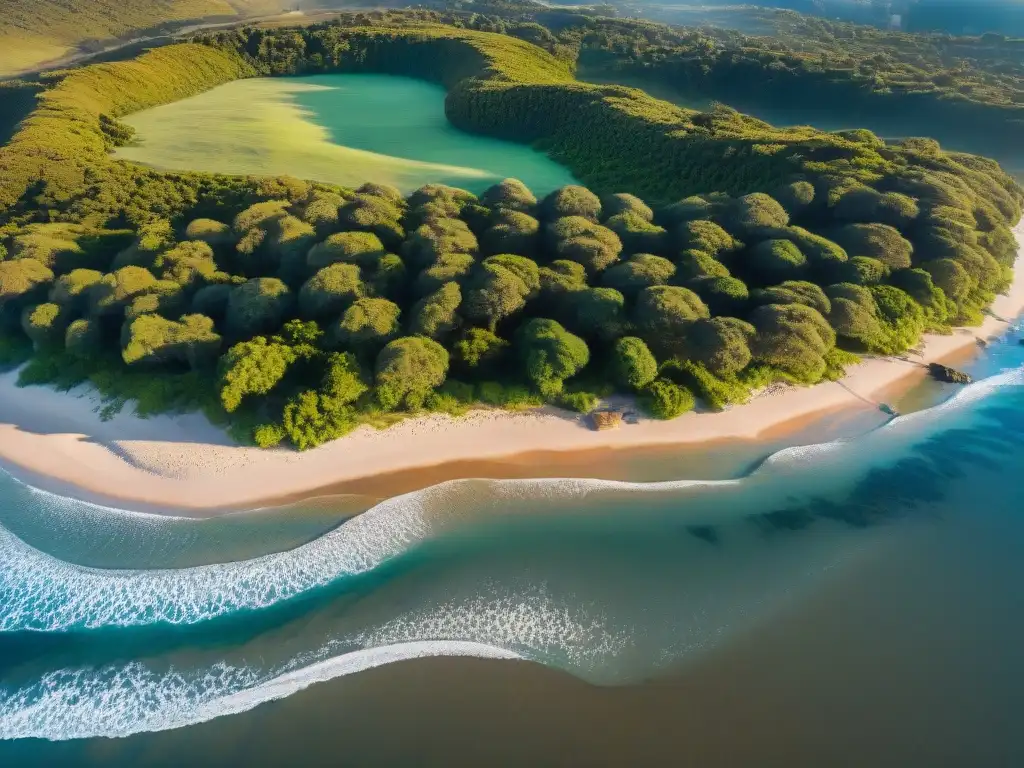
[(300, 318), (709, 254)]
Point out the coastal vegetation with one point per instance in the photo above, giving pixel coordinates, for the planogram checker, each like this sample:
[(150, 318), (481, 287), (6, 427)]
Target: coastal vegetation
[(969, 87), (709, 254)]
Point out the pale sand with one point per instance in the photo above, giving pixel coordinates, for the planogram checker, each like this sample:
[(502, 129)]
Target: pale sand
[(56, 441)]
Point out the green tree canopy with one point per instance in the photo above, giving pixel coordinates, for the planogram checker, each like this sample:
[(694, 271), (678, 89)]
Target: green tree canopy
[(572, 200), (509, 195), (364, 249), (257, 306), (436, 316), (704, 236), (496, 293), (795, 198), (876, 241), (853, 315), (368, 323), (632, 364), (21, 279), (578, 239), (376, 214), (331, 290), (71, 290), (638, 235), (721, 344), (189, 264), (438, 238), (343, 381), (902, 319), (641, 271), (408, 370), (723, 295), (45, 324), (512, 232), (694, 264), (773, 261), (793, 338), (480, 349), (321, 212), (253, 367), (794, 292), (666, 400), (663, 315), (152, 340), (84, 338), (598, 313), (561, 277), (754, 212), (212, 232), (618, 204), (114, 292), (550, 354), (453, 267)]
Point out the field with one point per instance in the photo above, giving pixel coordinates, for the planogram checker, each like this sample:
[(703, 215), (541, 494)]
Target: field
[(34, 32)]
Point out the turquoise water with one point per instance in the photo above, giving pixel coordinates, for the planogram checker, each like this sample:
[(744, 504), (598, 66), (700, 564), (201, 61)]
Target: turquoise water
[(613, 584), (341, 129)]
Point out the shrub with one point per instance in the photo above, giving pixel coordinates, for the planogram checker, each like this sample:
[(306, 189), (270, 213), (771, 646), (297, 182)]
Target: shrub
[(666, 400), (572, 200), (368, 323), (632, 364), (408, 370), (580, 402), (550, 354), (641, 271), (510, 195), (331, 290), (257, 306), (45, 324), (363, 249)]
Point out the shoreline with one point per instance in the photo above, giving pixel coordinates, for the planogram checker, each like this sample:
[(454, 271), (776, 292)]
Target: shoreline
[(182, 464)]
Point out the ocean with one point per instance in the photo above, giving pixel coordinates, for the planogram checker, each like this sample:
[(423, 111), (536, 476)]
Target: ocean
[(850, 602)]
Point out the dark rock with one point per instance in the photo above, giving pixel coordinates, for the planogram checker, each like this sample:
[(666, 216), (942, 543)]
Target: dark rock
[(948, 375), (1022, 342)]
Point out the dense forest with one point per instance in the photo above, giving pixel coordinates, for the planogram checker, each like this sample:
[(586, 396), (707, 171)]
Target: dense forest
[(712, 255), (968, 88)]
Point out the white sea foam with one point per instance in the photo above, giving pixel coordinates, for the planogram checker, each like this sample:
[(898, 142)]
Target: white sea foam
[(119, 700), (41, 593), (78, 704), (622, 637)]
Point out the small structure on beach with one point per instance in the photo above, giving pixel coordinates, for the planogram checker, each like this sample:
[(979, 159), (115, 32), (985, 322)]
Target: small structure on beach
[(604, 420)]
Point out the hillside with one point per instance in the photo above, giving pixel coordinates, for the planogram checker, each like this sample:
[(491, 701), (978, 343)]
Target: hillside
[(33, 32)]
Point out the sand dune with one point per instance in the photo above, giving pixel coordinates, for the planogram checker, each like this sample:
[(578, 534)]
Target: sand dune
[(58, 442)]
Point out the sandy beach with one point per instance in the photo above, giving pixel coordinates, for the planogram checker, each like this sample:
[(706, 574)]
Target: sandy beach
[(57, 441)]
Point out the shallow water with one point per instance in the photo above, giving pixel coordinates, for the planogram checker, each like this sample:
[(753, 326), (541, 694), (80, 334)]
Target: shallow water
[(341, 129), (618, 593)]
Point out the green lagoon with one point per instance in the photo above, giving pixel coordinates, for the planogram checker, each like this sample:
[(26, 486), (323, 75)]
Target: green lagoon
[(341, 129)]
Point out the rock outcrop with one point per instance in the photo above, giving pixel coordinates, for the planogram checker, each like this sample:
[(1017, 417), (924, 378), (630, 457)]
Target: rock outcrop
[(949, 375)]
